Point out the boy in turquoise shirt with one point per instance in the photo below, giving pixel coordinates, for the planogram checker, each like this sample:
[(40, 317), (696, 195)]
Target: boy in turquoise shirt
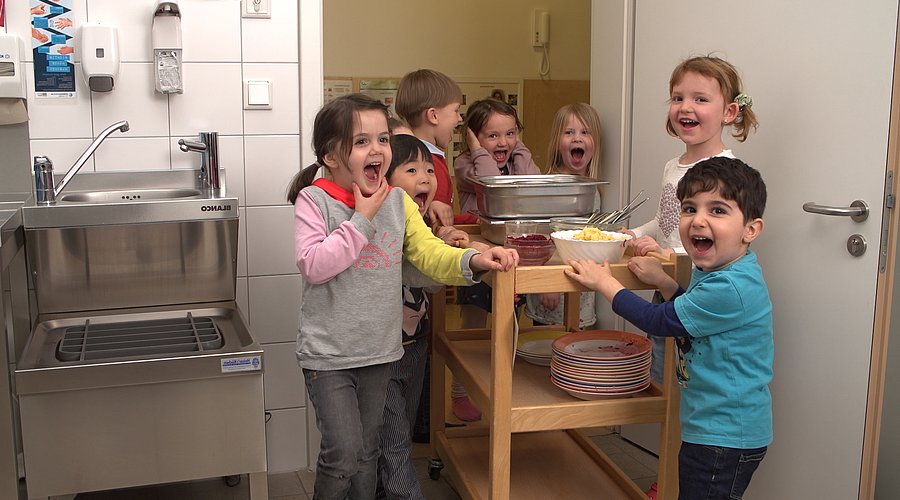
[(722, 325)]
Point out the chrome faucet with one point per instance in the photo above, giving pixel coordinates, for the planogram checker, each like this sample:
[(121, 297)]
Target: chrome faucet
[(45, 191), (208, 147)]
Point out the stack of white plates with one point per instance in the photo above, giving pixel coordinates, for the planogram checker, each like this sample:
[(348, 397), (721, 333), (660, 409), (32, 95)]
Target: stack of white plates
[(600, 363), (536, 347)]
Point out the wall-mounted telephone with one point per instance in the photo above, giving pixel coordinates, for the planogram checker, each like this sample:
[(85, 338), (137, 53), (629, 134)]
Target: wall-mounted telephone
[(540, 32)]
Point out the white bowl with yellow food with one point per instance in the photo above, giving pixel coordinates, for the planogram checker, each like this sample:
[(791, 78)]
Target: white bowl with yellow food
[(590, 243)]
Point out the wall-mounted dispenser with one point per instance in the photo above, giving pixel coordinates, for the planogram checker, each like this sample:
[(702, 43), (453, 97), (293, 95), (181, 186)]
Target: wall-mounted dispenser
[(99, 49), (12, 80), (165, 37)]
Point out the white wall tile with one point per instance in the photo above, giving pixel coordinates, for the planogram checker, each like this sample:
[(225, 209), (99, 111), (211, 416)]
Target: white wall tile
[(274, 307), (242, 297), (242, 244), (231, 158), (284, 117), (132, 153), (211, 30), (63, 153), (134, 99), (270, 240), (271, 162), (132, 22), (212, 100), (282, 377), (59, 118), (286, 441), (18, 21), (274, 39)]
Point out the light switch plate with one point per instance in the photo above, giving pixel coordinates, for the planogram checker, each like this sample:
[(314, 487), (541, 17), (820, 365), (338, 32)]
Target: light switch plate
[(257, 94), (256, 8)]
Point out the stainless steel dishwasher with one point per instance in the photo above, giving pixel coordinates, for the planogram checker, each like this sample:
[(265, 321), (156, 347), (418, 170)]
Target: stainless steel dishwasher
[(140, 369)]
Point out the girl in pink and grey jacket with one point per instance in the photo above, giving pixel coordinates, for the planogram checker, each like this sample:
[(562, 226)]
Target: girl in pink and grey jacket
[(492, 147)]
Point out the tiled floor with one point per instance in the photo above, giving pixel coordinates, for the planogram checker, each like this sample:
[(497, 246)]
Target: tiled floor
[(638, 464)]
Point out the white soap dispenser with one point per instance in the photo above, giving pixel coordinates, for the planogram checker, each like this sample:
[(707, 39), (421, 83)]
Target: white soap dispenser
[(99, 56), (12, 78), (165, 37)]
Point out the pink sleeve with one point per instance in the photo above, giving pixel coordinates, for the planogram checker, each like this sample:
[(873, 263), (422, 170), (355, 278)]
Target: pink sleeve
[(523, 164), (322, 256), (468, 166)]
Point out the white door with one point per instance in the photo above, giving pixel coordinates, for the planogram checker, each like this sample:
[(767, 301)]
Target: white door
[(820, 76)]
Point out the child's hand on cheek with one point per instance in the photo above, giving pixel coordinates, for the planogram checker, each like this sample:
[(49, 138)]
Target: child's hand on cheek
[(370, 205), (472, 140), (495, 259), (594, 276)]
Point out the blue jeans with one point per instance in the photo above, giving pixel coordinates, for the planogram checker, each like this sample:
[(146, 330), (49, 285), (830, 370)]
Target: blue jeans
[(714, 472), (349, 408)]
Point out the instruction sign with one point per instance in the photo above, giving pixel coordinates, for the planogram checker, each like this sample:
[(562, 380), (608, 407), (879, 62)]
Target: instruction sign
[(52, 44)]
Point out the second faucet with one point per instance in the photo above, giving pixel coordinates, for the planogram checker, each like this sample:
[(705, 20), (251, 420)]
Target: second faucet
[(208, 147)]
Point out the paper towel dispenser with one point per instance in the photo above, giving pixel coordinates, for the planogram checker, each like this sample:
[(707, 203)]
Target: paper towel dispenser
[(165, 37), (99, 56)]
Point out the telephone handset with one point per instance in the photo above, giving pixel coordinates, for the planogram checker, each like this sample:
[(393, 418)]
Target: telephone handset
[(541, 28)]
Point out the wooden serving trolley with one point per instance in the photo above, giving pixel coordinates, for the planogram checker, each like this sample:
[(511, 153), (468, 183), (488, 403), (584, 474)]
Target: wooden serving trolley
[(532, 446)]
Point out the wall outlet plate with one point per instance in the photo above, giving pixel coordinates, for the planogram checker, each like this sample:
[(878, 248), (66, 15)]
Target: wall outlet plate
[(256, 8)]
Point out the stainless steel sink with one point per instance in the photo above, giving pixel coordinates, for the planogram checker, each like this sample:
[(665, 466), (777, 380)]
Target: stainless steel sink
[(104, 198), (123, 196)]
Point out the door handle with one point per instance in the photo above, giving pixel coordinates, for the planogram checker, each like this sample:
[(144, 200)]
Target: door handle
[(858, 211)]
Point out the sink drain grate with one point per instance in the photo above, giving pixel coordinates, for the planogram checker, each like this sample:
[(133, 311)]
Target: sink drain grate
[(136, 338)]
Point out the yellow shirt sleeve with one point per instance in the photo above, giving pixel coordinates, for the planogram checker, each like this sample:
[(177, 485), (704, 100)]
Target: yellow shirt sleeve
[(436, 259)]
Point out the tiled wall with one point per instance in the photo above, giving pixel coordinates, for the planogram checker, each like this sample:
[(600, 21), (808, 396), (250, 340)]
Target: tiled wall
[(259, 149)]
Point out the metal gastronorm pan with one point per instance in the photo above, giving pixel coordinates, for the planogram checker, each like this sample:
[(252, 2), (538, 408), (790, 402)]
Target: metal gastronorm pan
[(552, 195)]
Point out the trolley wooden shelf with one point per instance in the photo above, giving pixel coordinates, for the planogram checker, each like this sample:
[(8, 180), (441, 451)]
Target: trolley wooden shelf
[(531, 446)]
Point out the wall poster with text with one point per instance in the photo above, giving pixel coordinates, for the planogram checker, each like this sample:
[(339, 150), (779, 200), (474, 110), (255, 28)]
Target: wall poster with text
[(52, 43)]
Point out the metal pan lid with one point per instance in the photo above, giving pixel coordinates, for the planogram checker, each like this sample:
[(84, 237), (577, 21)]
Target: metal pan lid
[(536, 180)]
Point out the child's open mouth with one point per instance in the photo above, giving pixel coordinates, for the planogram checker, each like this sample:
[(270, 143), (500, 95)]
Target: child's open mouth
[(688, 123), (500, 155), (420, 200), (701, 244), (372, 171), (577, 155)]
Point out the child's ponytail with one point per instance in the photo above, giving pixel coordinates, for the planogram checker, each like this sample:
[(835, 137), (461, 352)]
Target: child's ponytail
[(301, 180), (745, 119)]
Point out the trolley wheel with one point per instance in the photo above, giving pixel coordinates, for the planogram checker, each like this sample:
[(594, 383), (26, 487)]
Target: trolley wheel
[(232, 481), (434, 469)]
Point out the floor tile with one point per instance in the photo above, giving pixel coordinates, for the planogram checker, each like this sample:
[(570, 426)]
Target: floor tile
[(637, 463), (284, 484), (308, 480)]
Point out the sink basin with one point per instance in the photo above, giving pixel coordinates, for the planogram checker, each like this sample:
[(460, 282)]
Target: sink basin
[(129, 195), (103, 198)]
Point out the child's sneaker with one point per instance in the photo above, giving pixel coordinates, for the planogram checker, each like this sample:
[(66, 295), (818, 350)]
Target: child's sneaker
[(651, 493), (465, 410)]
